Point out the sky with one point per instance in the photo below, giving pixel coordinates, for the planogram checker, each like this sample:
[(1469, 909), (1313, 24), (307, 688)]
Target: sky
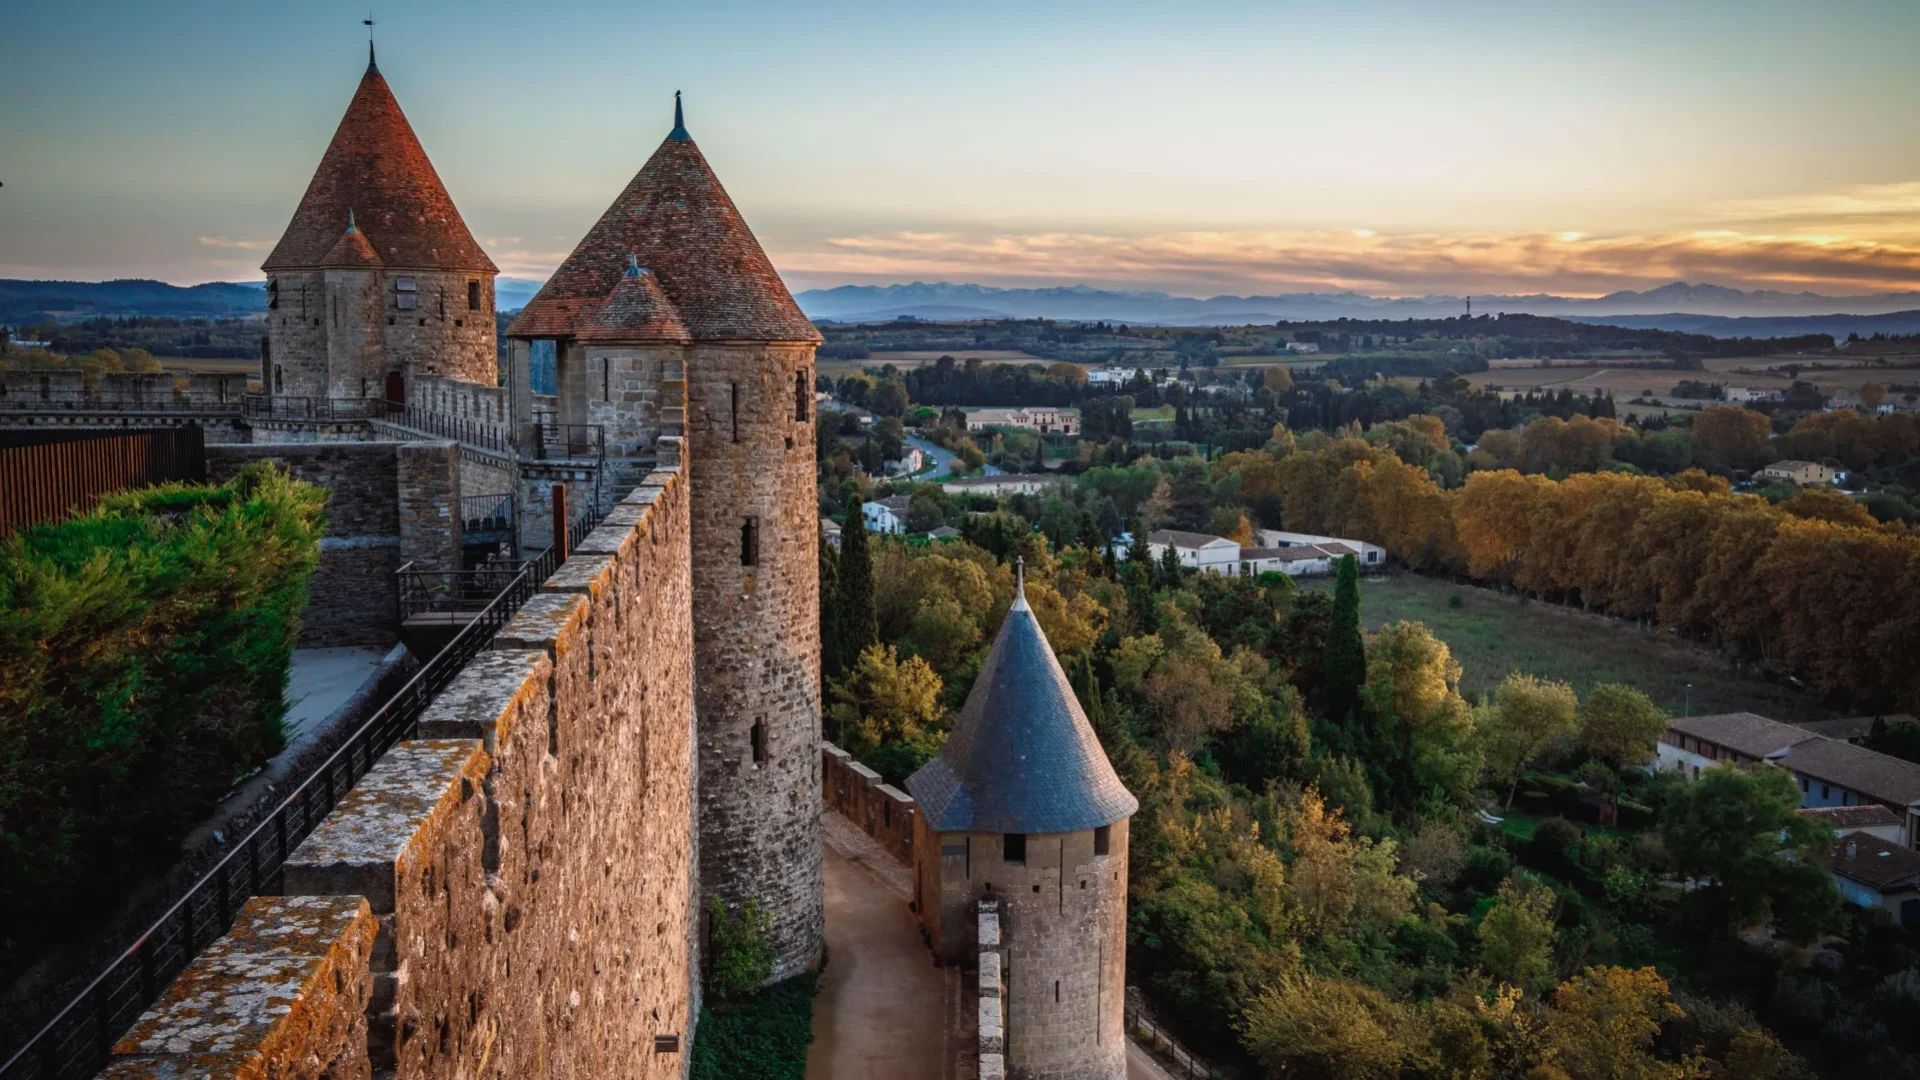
[(1392, 148)]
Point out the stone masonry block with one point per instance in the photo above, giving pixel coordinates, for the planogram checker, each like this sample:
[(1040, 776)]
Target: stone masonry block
[(384, 830), (283, 995), (490, 697), (581, 573), (544, 622)]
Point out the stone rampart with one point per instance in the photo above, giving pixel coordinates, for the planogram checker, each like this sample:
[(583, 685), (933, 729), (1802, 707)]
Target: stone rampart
[(388, 503), (509, 894), (881, 810)]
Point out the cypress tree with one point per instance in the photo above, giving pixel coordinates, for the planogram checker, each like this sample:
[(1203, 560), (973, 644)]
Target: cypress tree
[(1170, 568), (1344, 662), (829, 608), (856, 626)]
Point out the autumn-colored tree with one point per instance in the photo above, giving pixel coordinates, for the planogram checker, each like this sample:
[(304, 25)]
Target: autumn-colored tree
[(1817, 505), (1873, 395), (1620, 725), (1604, 1022), (1498, 448), (1421, 744), (1325, 1029), (1733, 436), (1529, 716), (1516, 935), (1277, 379)]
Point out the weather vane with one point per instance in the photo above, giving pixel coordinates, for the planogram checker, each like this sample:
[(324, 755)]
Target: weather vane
[(368, 23)]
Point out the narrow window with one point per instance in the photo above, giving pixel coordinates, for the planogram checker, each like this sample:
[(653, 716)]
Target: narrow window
[(1056, 991), (1825, 792), (757, 735), (802, 394), (733, 408), (279, 379), (1102, 839), (606, 378), (750, 542), (473, 296), (273, 294), (1016, 847), (443, 305)]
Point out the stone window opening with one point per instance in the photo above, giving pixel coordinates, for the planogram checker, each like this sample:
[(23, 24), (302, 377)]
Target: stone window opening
[(1056, 991), (279, 380), (733, 408), (273, 294), (606, 378), (802, 393), (405, 295), (757, 737), (473, 296), (1014, 847), (1102, 840), (443, 305), (750, 542)]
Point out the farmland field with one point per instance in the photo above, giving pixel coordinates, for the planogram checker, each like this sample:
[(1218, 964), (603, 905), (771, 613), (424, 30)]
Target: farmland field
[(1492, 633), (1624, 382), (928, 356)]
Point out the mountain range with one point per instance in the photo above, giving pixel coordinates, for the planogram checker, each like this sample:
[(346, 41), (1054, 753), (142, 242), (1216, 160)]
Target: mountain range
[(948, 301), (1701, 309)]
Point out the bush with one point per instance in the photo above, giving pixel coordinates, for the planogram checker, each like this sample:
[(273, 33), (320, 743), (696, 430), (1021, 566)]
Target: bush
[(739, 956), (763, 1036), (1633, 816), (145, 648)]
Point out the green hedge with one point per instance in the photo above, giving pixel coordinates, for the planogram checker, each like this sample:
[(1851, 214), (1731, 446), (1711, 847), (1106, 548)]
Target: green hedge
[(762, 1037), (145, 648)]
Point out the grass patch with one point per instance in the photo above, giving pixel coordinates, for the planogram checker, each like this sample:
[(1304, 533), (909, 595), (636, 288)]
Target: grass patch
[(763, 1037), (1492, 633)]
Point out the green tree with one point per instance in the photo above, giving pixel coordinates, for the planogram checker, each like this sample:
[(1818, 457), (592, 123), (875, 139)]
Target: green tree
[(829, 608), (1734, 828), (739, 950), (1309, 1028), (1620, 725), (887, 711), (1603, 1024), (1529, 716), (1344, 663), (855, 625), (1516, 935)]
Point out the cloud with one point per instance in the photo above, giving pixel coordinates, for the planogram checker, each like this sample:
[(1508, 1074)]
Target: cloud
[(1569, 262), (227, 242)]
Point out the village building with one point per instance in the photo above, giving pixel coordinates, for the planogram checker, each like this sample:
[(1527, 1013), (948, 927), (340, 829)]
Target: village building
[(1001, 485), (888, 515), (1693, 743), (1874, 873), (1043, 419), (1196, 551), (1873, 819), (1803, 473), (1364, 553)]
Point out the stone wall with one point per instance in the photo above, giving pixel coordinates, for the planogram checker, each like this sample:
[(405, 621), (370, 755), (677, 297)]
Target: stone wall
[(882, 811), (527, 862), (338, 333), (121, 389), (388, 503)]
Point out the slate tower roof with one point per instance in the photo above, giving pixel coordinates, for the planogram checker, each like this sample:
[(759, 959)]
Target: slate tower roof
[(1022, 757), (678, 219), (376, 169)]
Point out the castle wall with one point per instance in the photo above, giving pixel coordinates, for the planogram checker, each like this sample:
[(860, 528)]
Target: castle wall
[(527, 860), (442, 335), (356, 365), (882, 811), (387, 503), (757, 638), (332, 329), (297, 336)]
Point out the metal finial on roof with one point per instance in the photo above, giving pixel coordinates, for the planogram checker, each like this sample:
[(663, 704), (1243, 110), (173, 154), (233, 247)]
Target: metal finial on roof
[(633, 266), (1019, 579), (350, 226), (679, 132), (368, 23)]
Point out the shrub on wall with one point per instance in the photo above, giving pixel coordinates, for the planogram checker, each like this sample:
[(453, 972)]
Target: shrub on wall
[(739, 951), (145, 649)]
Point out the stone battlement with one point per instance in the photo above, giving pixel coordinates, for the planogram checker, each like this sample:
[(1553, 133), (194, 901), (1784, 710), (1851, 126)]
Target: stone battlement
[(511, 892)]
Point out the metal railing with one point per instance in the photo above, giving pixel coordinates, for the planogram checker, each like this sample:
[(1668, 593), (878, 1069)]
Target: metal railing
[(442, 591), (1169, 1050), (76, 1043), (460, 429), (485, 518), (276, 407), (551, 440), (167, 400)]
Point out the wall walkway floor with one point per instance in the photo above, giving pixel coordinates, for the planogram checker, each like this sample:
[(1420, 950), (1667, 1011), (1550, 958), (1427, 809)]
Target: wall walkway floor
[(882, 1002)]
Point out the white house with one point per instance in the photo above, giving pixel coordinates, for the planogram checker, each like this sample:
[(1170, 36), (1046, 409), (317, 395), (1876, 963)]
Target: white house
[(1364, 553), (1110, 376), (1743, 394), (1207, 554), (1873, 819), (911, 462), (888, 515), (830, 532), (1873, 873), (1693, 743), (1044, 419), (1001, 485), (1301, 560), (1302, 347)]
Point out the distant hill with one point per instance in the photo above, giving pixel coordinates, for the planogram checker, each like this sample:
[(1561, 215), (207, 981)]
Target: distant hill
[(65, 301), (1667, 306), (1838, 326)]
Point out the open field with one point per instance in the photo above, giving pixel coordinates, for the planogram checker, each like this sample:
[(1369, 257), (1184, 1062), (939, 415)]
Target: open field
[(928, 356), (1624, 382), (1493, 633), (1292, 360)]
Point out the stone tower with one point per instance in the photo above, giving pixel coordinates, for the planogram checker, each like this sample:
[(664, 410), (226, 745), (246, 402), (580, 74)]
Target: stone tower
[(1023, 807), (668, 319), (412, 295)]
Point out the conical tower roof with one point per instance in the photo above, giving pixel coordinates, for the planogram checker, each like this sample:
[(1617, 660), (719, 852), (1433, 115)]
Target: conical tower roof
[(637, 311), (376, 167), (1022, 757), (678, 219)]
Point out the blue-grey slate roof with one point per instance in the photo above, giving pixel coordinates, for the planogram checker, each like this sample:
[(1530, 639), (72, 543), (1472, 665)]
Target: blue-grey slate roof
[(1022, 757)]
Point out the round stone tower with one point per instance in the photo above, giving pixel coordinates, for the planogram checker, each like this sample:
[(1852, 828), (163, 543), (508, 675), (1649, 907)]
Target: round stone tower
[(1023, 807), (413, 294), (748, 425)]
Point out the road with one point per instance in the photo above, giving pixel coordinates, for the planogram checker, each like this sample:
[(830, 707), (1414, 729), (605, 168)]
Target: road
[(942, 459)]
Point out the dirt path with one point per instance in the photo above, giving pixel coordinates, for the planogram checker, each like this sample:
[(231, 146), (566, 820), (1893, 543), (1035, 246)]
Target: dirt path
[(882, 1002)]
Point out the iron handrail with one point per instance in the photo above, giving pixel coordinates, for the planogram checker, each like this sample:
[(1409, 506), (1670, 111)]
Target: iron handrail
[(77, 1042), (461, 429)]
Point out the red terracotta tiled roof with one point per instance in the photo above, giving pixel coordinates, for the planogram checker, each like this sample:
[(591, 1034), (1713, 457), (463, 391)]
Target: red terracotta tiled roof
[(376, 169), (637, 311), (351, 250), (678, 219)]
